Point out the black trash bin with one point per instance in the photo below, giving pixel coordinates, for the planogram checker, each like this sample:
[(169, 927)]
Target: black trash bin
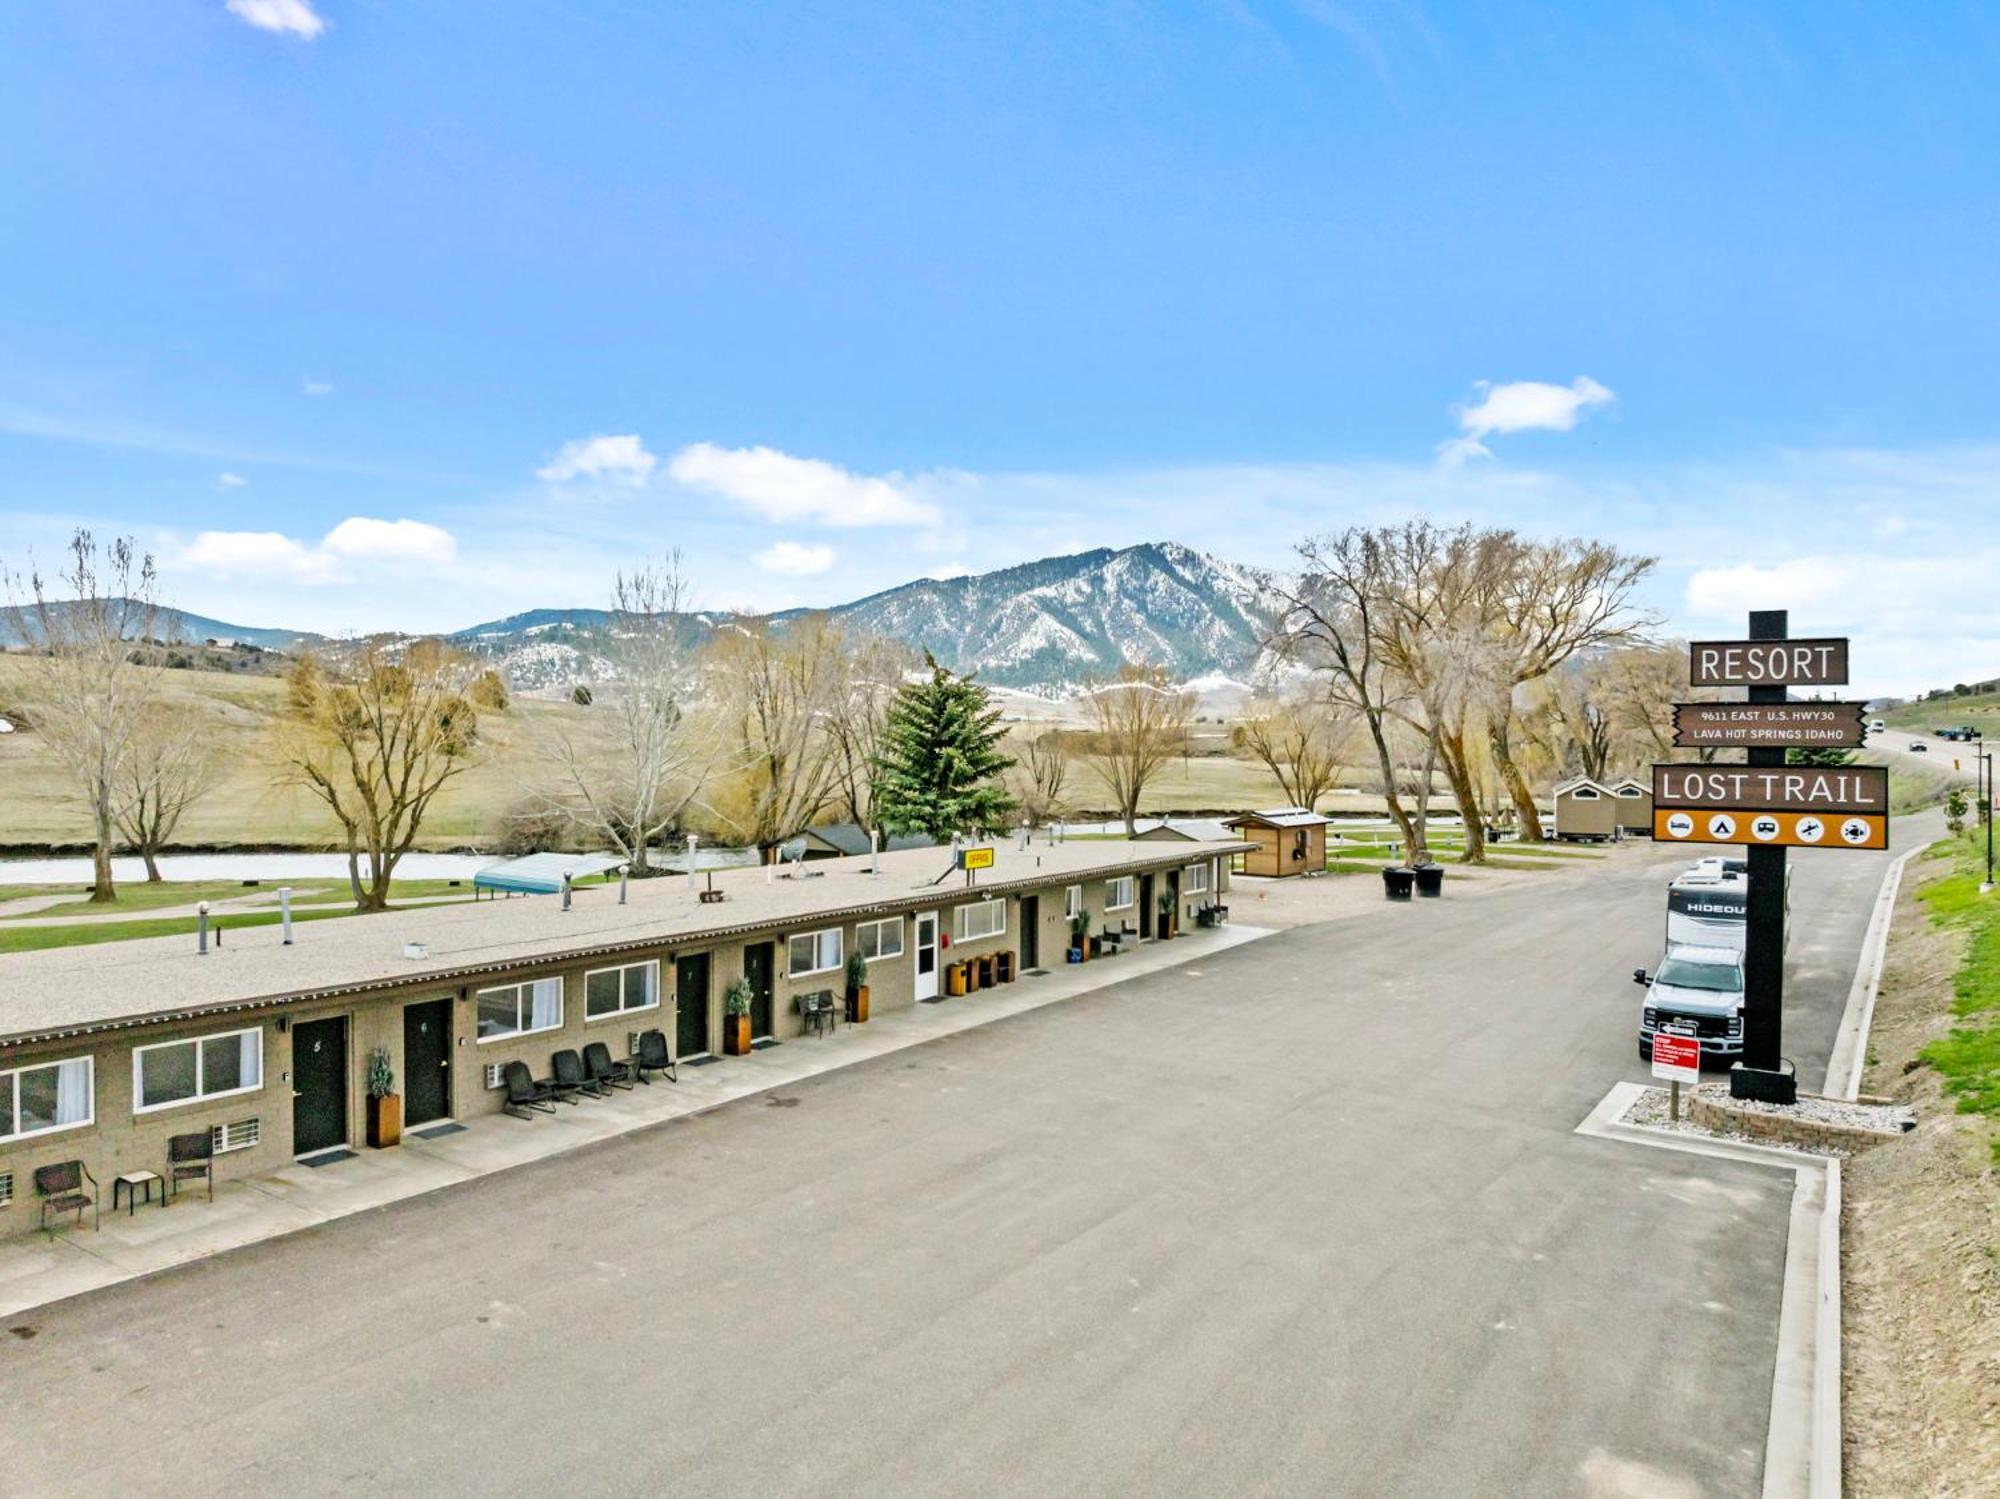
[(1430, 879), (1396, 883)]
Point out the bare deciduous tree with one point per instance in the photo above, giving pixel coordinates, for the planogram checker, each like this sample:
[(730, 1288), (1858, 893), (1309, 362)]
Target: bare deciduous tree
[(166, 767), (877, 669), (91, 621), (1040, 771), (777, 693), (629, 767), (1140, 723), (376, 735), (1303, 740)]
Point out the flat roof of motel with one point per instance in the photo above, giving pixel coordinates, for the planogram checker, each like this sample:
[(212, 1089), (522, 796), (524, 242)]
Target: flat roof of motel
[(67, 991)]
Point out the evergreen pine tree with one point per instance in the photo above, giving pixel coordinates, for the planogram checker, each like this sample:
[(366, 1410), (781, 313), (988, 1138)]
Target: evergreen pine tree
[(939, 765)]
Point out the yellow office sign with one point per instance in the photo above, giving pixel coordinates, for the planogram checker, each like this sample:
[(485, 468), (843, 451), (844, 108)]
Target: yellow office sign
[(975, 858)]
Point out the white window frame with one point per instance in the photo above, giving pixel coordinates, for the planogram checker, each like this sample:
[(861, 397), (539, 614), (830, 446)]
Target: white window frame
[(651, 968), (1073, 902), (10, 1098), (200, 1044), (819, 939), (524, 987), (1130, 886), (959, 930), (1583, 794), (1195, 880), (881, 954)]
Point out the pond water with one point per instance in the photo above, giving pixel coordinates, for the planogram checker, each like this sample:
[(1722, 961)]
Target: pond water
[(306, 866)]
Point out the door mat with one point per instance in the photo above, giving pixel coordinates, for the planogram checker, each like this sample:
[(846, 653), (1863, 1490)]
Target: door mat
[(765, 1043), (1036, 973), (436, 1131), (940, 999), (704, 1061), (326, 1158)]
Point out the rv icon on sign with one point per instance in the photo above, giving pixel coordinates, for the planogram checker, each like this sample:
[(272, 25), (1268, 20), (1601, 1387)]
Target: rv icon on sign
[(1764, 829)]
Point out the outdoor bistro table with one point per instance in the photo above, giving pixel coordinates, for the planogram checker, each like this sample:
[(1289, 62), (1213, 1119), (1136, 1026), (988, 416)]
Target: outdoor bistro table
[(130, 1183)]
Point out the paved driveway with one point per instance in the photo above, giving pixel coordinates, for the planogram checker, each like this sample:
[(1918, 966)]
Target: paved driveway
[(1307, 1217)]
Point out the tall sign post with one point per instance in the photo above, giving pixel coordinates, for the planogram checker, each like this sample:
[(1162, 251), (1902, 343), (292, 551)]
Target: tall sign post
[(1764, 945), (1767, 805)]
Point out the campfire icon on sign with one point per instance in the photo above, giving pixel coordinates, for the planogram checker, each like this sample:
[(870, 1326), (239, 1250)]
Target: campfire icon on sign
[(1810, 830)]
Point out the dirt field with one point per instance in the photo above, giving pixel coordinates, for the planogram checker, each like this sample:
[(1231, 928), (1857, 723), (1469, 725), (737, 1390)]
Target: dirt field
[(1921, 1255)]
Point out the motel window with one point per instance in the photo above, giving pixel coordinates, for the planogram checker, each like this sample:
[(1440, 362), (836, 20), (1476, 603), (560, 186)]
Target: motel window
[(614, 991), (814, 952), (988, 918), (178, 1072), (1073, 902), (879, 939), (520, 1009), (56, 1095), (1118, 893), (1195, 879)]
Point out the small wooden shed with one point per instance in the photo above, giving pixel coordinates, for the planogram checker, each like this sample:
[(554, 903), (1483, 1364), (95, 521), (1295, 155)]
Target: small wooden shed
[(1586, 812), (1635, 806), (1288, 840)]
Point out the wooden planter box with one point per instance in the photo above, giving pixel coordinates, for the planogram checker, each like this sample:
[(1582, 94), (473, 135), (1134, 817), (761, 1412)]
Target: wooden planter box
[(736, 1035), (857, 1005), (385, 1121)]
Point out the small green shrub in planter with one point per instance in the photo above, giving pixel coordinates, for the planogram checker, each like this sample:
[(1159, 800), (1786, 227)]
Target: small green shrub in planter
[(385, 1108), (736, 1002), (1079, 936), (857, 988)]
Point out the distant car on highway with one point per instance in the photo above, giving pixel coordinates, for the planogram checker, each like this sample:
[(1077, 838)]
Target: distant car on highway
[(1876, 726), (1920, 748)]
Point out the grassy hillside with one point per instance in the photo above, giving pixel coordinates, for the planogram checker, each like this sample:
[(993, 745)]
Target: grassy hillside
[(1980, 709)]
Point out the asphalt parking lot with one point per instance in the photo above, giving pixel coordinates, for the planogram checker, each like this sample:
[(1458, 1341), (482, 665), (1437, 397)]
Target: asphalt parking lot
[(1305, 1217)]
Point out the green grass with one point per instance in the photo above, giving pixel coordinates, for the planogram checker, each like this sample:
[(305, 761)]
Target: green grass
[(1969, 1058), (19, 937)]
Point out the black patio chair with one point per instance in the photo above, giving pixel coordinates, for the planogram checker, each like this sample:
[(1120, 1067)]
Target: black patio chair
[(190, 1158), (600, 1069), (654, 1057), (569, 1080), (525, 1097), (60, 1188)]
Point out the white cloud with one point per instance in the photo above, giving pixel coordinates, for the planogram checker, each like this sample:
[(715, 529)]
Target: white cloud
[(613, 460), (359, 538), (783, 488), (795, 559), (363, 536), (226, 480), (1519, 406), (314, 387), (295, 17)]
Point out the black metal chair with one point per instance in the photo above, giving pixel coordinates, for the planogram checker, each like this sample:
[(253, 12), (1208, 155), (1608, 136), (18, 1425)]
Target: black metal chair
[(653, 1056), (569, 1081), (60, 1188), (525, 1097), (190, 1158), (600, 1069)]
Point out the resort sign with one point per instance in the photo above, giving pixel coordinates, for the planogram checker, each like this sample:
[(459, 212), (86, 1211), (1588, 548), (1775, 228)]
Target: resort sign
[(1768, 663), (1809, 725)]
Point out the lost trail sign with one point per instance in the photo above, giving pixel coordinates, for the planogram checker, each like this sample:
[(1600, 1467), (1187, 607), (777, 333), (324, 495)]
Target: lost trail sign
[(1813, 725), (1768, 663), (1778, 806), (1773, 788)]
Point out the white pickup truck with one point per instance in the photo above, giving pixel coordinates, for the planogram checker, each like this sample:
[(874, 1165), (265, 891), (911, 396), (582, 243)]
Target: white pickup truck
[(1698, 988)]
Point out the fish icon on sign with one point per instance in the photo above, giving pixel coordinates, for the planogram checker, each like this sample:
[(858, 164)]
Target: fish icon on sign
[(1855, 830), (1722, 826), (1810, 830)]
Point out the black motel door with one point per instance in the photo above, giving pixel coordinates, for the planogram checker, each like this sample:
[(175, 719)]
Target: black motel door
[(691, 1007), (426, 1061), (758, 961), (1031, 931), (319, 1085)]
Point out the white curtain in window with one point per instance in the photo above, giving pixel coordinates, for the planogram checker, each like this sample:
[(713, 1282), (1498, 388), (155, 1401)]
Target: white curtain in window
[(651, 984), (547, 1012), (251, 1073), (73, 1091)]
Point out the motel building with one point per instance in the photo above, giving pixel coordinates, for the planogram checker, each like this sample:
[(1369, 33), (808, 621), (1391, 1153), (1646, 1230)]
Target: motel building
[(109, 1052)]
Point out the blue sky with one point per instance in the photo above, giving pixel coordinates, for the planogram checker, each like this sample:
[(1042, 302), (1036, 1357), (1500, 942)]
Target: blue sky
[(373, 312)]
